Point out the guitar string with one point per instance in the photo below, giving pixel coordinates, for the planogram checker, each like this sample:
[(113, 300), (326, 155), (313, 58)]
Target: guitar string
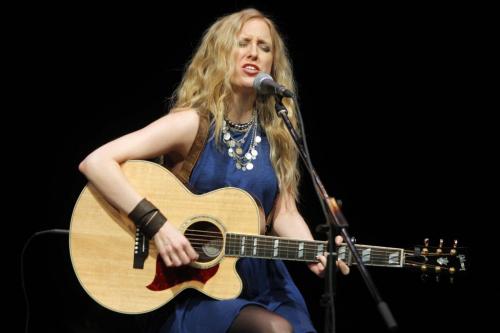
[(262, 244), (237, 245), (316, 242), (311, 258), (313, 242), (262, 239), (373, 259), (380, 257), (419, 265), (265, 244), (383, 258), (192, 232), (308, 244), (236, 248)]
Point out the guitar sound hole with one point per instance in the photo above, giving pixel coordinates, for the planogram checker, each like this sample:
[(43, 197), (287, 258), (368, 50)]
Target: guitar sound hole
[(206, 239)]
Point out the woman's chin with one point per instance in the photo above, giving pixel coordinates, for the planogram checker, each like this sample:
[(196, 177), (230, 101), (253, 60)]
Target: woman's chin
[(244, 87)]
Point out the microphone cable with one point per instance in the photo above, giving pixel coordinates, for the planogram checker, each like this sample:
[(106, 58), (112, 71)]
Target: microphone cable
[(23, 285)]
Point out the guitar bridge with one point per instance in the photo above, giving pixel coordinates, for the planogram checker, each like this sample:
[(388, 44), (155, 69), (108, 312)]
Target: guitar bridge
[(141, 249)]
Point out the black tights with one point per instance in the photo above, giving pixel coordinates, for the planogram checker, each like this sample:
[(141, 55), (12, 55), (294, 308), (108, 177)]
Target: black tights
[(253, 319)]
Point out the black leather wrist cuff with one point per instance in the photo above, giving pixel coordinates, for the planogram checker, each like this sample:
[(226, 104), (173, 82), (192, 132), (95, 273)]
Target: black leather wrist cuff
[(151, 226), (143, 208)]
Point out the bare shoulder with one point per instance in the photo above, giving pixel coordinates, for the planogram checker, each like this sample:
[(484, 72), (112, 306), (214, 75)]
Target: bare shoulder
[(179, 124), (182, 124), (184, 118)]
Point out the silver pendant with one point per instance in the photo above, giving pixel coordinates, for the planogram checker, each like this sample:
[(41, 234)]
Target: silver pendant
[(249, 165), (258, 139)]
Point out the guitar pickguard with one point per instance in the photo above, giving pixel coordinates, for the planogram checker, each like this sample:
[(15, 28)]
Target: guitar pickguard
[(167, 277)]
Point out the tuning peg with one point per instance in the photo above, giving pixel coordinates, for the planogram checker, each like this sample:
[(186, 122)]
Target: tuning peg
[(438, 270), (353, 240), (439, 250), (453, 251), (451, 270), (425, 250)]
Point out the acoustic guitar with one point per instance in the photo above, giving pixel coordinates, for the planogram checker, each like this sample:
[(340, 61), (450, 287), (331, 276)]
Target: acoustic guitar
[(121, 270)]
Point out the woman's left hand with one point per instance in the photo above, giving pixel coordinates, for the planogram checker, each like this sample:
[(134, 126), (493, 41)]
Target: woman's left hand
[(318, 268)]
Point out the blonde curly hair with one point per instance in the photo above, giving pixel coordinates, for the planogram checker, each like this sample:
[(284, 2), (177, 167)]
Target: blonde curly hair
[(206, 87)]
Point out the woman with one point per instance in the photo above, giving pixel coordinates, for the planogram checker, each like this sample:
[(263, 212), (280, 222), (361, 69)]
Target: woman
[(220, 133)]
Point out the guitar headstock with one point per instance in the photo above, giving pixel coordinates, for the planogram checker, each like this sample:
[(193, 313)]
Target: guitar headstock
[(438, 259)]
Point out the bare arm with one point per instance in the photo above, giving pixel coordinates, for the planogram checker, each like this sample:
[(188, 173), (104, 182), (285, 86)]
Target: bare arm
[(172, 133), (288, 222)]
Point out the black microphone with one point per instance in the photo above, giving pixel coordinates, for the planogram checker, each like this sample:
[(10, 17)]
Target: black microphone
[(265, 85)]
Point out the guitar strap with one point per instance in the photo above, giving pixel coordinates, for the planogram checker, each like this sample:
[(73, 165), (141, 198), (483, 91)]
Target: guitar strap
[(194, 153), (184, 172)]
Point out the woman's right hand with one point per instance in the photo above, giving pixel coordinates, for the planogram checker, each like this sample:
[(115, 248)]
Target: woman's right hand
[(174, 247)]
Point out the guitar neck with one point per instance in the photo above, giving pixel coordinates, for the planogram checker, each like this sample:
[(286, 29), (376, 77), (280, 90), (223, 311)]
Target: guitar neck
[(269, 247), (373, 255)]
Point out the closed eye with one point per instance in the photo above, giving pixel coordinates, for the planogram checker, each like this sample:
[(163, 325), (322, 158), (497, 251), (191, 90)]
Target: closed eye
[(264, 46)]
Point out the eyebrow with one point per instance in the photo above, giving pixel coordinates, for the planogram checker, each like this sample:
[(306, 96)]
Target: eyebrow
[(259, 40)]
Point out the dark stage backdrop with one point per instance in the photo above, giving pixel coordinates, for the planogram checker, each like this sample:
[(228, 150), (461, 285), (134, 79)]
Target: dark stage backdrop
[(387, 109)]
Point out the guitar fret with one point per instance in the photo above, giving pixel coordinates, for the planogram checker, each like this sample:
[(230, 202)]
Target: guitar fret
[(227, 248), (342, 253), (242, 252), (300, 253), (321, 250), (393, 258), (366, 255), (285, 253), (249, 246)]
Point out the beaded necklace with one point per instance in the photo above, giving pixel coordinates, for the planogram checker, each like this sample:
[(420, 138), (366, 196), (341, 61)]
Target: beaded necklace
[(243, 160)]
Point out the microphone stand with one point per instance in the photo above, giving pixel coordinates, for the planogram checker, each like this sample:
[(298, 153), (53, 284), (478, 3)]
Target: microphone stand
[(334, 218)]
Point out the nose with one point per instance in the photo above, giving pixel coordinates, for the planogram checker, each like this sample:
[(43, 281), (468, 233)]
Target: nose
[(253, 52)]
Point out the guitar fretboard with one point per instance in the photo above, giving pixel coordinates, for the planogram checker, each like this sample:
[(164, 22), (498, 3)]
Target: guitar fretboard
[(373, 255), (269, 247)]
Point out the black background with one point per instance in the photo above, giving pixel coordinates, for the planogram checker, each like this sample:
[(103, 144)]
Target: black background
[(390, 102)]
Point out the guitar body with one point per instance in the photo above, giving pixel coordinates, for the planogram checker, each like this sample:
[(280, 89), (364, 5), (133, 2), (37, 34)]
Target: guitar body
[(102, 242)]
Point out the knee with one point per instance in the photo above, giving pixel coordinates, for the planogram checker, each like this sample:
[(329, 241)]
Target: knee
[(280, 325)]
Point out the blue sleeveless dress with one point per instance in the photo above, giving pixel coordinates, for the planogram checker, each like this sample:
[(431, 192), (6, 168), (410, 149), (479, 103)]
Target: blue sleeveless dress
[(266, 283)]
